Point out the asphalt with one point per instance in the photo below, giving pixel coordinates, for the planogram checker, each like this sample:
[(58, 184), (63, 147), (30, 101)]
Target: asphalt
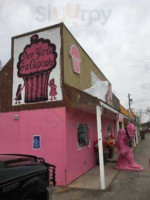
[(126, 186)]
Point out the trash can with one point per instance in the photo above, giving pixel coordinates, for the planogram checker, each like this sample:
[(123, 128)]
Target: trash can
[(111, 152), (105, 152), (142, 133), (105, 156)]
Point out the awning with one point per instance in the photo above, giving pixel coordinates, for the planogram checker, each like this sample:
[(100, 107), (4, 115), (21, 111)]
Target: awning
[(105, 105)]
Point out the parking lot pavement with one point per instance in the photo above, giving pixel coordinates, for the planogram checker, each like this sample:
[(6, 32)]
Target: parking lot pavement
[(126, 186)]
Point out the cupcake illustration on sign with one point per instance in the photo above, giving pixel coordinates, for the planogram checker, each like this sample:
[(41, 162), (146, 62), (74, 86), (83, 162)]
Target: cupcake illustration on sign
[(35, 65), (76, 58)]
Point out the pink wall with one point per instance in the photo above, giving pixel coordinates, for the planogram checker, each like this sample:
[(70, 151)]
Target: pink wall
[(58, 130), (105, 123), (16, 136), (79, 161)]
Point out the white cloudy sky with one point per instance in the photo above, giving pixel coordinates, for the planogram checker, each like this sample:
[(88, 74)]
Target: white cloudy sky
[(115, 33)]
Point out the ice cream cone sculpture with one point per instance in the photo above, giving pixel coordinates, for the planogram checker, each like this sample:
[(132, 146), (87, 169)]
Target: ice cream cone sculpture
[(76, 59)]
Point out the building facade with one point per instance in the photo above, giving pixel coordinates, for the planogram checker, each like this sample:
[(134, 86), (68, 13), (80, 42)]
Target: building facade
[(49, 93)]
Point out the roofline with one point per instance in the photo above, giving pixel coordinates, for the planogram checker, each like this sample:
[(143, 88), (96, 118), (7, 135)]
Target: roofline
[(38, 30), (59, 25), (116, 97), (5, 65), (86, 52)]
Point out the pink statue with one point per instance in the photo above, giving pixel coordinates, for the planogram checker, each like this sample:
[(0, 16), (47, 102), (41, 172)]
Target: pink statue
[(126, 160)]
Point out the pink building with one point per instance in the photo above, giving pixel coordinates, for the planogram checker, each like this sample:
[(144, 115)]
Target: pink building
[(51, 93)]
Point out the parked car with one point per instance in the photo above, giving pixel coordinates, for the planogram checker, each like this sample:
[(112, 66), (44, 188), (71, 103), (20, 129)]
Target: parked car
[(147, 130), (25, 177)]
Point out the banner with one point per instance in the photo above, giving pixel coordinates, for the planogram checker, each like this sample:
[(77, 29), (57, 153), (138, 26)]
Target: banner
[(36, 68)]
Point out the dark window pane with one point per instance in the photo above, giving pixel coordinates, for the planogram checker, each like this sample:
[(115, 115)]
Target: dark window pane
[(83, 135)]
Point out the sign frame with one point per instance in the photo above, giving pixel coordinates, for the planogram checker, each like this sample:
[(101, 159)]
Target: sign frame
[(33, 141)]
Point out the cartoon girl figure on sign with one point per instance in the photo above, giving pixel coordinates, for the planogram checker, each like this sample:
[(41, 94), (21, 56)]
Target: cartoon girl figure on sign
[(53, 91), (18, 97)]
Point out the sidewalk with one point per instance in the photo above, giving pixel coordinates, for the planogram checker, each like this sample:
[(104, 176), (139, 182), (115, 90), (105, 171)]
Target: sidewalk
[(126, 186), (91, 179)]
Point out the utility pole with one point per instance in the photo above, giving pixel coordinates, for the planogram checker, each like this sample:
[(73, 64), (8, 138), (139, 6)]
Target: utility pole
[(130, 101)]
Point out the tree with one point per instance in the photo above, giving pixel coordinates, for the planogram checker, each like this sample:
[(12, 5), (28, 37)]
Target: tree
[(147, 112), (139, 113)]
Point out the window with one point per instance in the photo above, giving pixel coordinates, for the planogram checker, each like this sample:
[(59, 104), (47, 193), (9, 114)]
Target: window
[(83, 139), (109, 130)]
